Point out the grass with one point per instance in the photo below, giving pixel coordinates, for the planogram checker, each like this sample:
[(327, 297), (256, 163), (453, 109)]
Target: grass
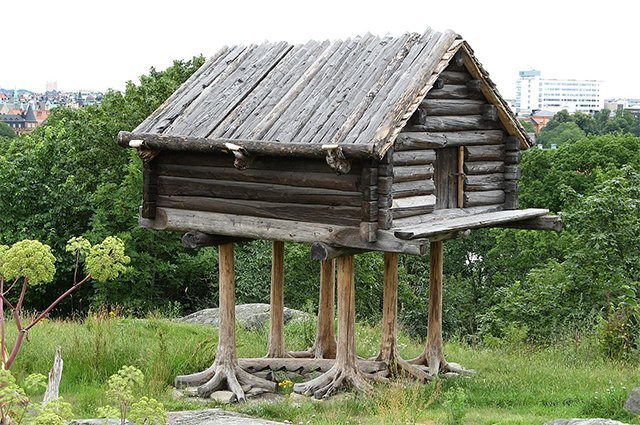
[(515, 384)]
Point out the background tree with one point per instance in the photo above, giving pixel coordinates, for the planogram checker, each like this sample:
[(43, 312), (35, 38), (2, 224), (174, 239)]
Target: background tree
[(6, 131)]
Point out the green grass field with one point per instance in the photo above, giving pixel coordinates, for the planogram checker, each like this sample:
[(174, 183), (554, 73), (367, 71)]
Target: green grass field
[(515, 384)]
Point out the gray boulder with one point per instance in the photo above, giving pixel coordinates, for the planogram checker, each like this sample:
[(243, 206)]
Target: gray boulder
[(596, 421), (215, 417), (632, 405), (192, 417), (251, 316)]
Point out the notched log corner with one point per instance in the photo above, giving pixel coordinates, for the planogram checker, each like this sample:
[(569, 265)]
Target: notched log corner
[(336, 159), (243, 159)]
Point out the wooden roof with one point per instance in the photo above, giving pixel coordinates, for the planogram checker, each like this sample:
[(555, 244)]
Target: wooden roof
[(357, 92)]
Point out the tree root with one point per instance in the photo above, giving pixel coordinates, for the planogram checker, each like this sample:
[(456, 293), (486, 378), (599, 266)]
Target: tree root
[(437, 365), (224, 376), (403, 370), (337, 378)]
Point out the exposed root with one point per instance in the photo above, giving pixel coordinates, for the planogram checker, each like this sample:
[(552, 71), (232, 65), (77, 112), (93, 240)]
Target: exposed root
[(306, 354), (337, 378), (224, 376), (436, 365)]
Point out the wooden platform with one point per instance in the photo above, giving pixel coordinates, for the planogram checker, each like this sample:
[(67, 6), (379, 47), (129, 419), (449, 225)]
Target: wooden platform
[(456, 220)]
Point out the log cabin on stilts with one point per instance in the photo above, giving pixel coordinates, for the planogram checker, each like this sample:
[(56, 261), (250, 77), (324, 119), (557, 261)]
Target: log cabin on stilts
[(391, 144)]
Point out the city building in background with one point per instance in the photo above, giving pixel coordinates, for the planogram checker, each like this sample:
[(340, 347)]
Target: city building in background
[(24, 110), (535, 93)]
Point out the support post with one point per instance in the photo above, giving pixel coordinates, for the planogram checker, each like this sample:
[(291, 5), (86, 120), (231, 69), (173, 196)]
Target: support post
[(433, 355), (397, 367), (388, 339), (325, 345), (276, 324), (433, 351), (225, 371), (344, 372)]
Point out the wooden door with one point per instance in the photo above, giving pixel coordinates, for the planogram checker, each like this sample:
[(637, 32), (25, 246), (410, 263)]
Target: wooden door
[(446, 178)]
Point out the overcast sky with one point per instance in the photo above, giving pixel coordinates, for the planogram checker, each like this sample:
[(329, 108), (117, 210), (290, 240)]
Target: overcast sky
[(101, 44)]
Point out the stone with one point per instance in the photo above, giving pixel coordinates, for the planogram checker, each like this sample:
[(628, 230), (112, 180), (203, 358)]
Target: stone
[(632, 405), (251, 316), (595, 421), (214, 417), (224, 397), (450, 375), (190, 391), (96, 422)]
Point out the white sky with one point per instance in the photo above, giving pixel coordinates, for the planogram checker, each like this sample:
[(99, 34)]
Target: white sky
[(91, 44)]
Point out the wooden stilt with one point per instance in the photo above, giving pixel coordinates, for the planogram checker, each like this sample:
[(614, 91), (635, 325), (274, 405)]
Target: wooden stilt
[(324, 346), (225, 371), (276, 329), (344, 372), (433, 355), (398, 368), (433, 350)]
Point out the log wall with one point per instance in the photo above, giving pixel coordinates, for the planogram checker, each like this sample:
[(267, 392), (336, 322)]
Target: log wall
[(305, 190), (454, 113)]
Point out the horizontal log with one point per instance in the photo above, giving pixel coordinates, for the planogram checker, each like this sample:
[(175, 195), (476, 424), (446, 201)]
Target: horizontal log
[(413, 188), (347, 182), (194, 240), (252, 147), (414, 201), (273, 163), (427, 230), (423, 156), (412, 173), (277, 229), (304, 365), (453, 77), (455, 123), (182, 186), (484, 153), (322, 251), (491, 197), (485, 167), (407, 141), (546, 222), (454, 91), (436, 107), (340, 215), (484, 182)]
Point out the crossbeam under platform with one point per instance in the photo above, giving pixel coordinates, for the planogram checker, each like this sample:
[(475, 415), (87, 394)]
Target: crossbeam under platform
[(431, 228)]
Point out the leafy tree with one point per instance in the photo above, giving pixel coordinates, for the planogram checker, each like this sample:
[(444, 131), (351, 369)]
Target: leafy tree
[(6, 131), (528, 126), (565, 132)]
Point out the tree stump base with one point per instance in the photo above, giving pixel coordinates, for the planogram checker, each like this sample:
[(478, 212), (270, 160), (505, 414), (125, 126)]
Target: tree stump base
[(224, 375), (337, 378)]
